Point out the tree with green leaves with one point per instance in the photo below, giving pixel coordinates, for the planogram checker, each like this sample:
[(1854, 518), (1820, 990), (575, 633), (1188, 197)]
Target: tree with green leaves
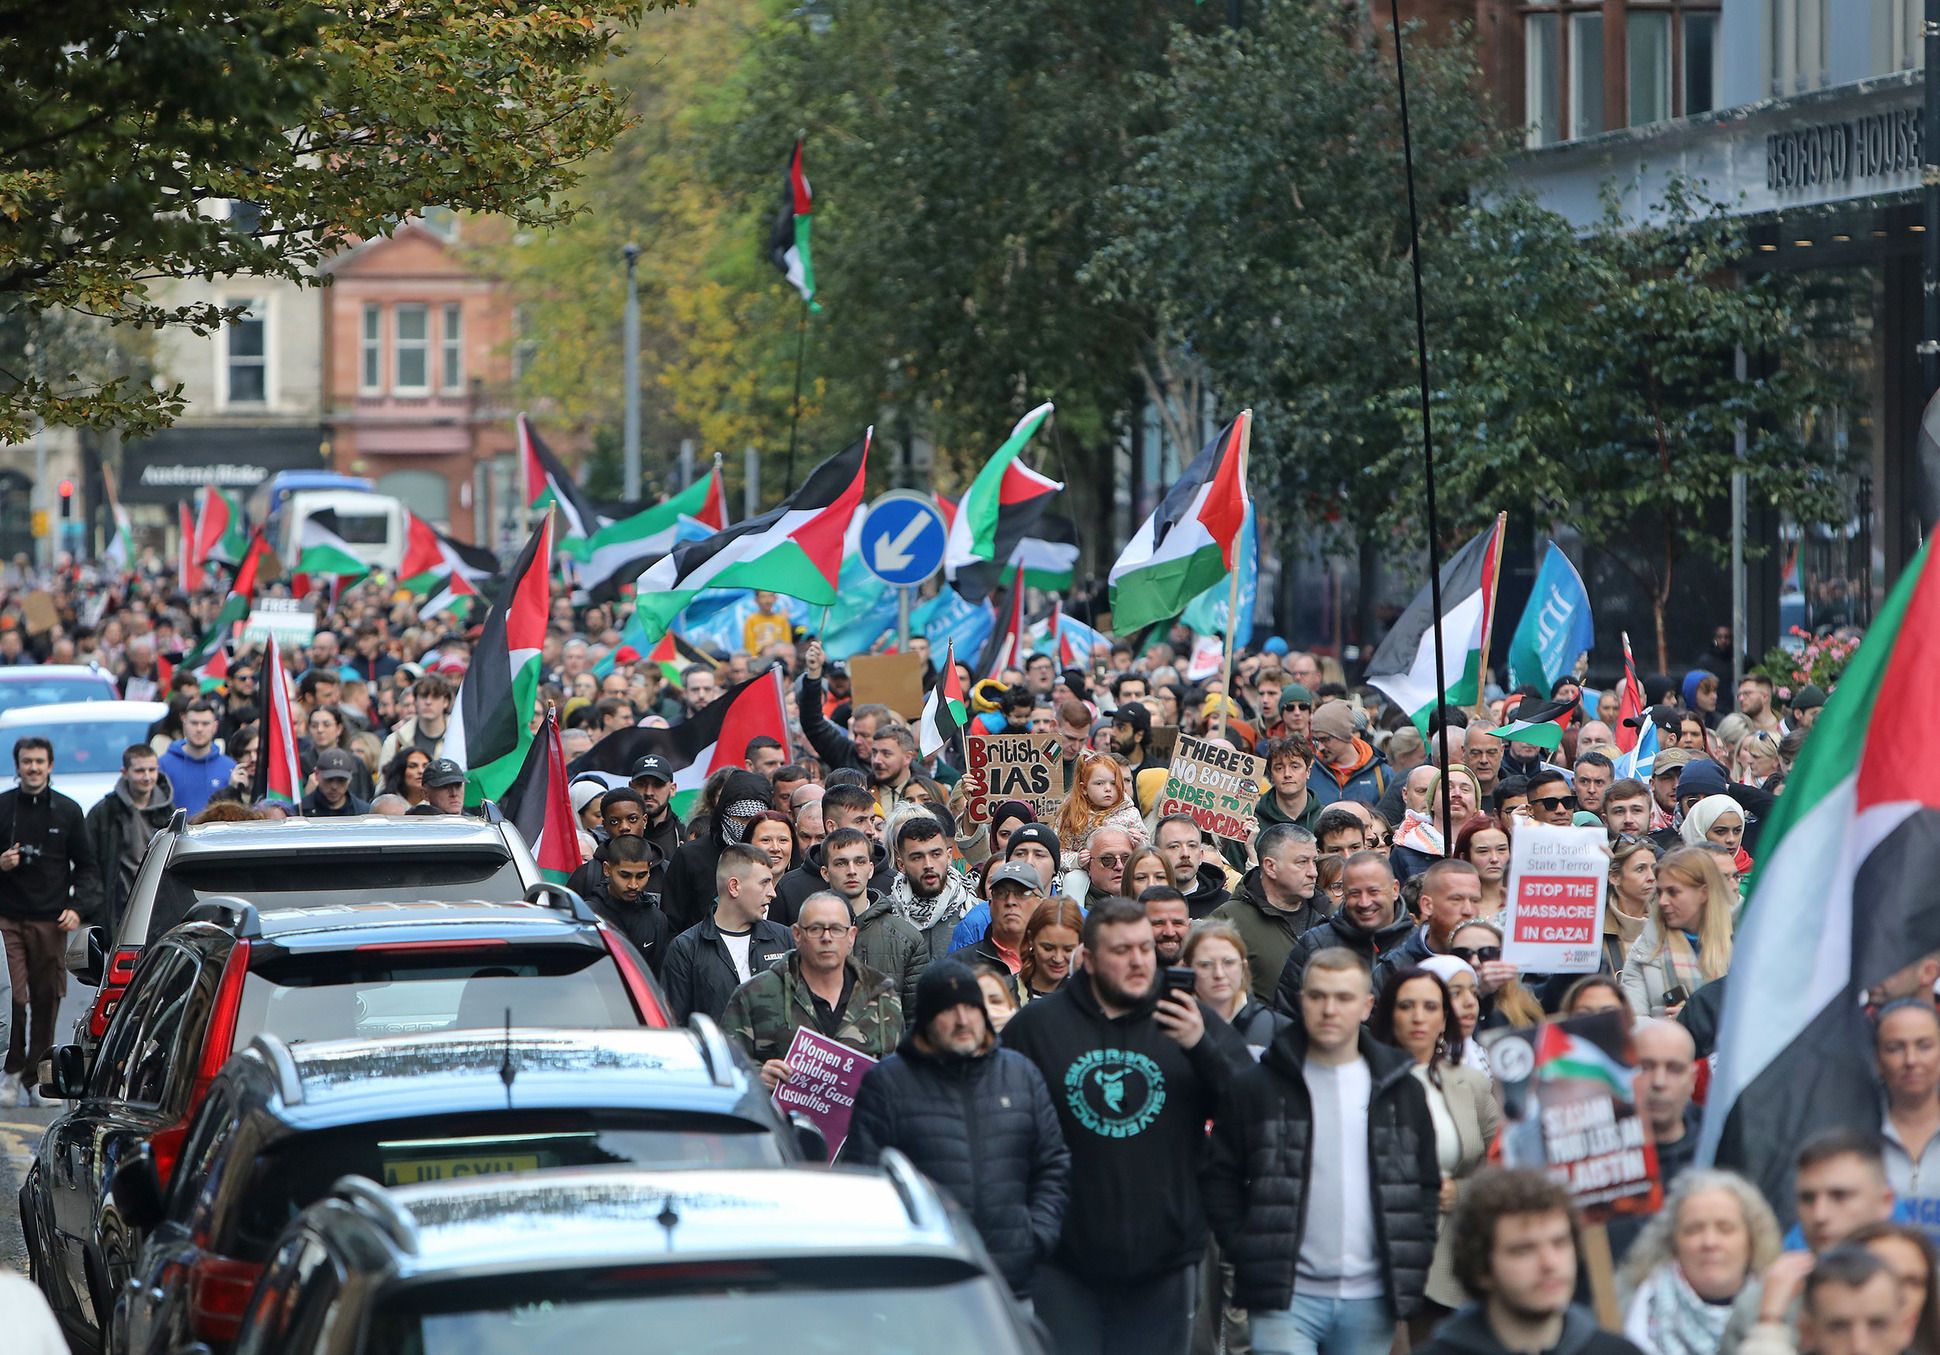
[(1597, 379), (332, 119)]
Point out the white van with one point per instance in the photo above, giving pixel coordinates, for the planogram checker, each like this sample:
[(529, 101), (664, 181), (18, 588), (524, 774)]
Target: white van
[(373, 525)]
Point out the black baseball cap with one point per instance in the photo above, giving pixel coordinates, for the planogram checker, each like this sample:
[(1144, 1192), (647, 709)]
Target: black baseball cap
[(653, 765), (1134, 714), (443, 772), (334, 764)]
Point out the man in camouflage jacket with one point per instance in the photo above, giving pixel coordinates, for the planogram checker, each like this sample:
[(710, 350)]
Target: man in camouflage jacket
[(819, 985)]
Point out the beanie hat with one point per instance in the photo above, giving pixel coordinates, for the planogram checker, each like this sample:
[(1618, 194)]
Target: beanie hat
[(1702, 777), (1334, 719), (945, 984), (1039, 833), (1007, 810)]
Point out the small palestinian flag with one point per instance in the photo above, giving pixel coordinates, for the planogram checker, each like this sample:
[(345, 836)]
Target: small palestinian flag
[(999, 510), (1841, 899), (279, 773), (1630, 702), (188, 569), (430, 557), (456, 596), (617, 552), (1191, 540), (715, 737), (788, 241), (794, 549), (1404, 664), (1538, 723), (322, 551), (1009, 641), (213, 675), (221, 528), (538, 804), (491, 719), (549, 485), (235, 608), (944, 713), (1562, 1053)]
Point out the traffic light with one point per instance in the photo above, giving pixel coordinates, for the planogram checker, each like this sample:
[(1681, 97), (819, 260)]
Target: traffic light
[(66, 488)]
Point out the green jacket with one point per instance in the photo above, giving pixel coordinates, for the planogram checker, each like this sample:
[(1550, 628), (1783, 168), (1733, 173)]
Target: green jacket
[(765, 1012), (1268, 932)]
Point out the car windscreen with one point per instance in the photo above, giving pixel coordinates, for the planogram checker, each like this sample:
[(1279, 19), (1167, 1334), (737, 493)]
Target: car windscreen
[(297, 1172), (378, 990), (88, 747), (47, 691), (827, 1306), (316, 879)]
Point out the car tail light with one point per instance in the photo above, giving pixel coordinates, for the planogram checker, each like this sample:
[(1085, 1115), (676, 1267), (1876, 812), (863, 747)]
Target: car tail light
[(165, 1147), (220, 1040), (219, 1291), (646, 1002), (114, 983)]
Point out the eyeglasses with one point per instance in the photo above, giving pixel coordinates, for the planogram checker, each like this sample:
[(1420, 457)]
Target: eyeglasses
[(1113, 858), (819, 930), (1554, 801), (1328, 738), (1473, 954)]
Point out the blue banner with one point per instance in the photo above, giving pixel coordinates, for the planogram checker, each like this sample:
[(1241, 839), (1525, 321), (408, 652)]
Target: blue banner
[(1206, 614), (1555, 630), (948, 617), (864, 611)]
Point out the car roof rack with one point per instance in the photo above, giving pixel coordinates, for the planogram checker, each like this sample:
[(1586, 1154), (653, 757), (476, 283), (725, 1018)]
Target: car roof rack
[(918, 1203), (489, 811), (567, 899), (289, 1082), (226, 910), (375, 1203), (178, 820), (716, 1053)]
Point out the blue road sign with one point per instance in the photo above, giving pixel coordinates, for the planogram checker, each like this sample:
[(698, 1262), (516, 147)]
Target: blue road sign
[(902, 538)]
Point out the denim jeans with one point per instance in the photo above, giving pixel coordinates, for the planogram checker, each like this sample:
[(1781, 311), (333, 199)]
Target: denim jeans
[(1323, 1326)]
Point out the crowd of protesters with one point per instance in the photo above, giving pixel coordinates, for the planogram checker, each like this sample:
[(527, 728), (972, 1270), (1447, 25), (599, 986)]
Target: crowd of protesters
[(1196, 1094)]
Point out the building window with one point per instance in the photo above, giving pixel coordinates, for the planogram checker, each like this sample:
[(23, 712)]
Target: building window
[(451, 348), (411, 349), (1586, 74), (1701, 61), (1647, 34), (1543, 60), (370, 351), (245, 355), (1670, 59)]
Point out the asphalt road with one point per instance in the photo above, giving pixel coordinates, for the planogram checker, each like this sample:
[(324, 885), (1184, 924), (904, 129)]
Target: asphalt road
[(20, 1131)]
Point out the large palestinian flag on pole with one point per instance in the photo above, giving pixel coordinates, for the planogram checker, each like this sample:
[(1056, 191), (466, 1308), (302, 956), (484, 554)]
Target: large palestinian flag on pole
[(548, 484), (716, 736), (221, 528), (794, 548), (1191, 540), (188, 568), (323, 552), (235, 607), (1841, 898), (999, 510), (1404, 664), (617, 552), (788, 240), (537, 804), (1630, 701), (491, 721), (279, 774)]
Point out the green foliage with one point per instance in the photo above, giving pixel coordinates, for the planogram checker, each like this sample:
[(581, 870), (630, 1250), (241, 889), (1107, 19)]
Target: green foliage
[(336, 119)]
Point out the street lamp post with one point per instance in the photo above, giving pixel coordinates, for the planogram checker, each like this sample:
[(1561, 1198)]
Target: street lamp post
[(630, 489)]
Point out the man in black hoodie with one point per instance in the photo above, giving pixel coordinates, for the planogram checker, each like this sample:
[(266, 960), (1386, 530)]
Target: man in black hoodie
[(627, 896), (1136, 1070), (690, 875), (1515, 1254), (49, 886)]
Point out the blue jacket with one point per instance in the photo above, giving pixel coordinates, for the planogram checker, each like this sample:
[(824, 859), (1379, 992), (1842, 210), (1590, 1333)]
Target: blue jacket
[(195, 779)]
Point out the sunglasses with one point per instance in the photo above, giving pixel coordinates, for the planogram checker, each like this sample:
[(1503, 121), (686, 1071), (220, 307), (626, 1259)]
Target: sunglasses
[(1297, 705), (1555, 801), (1474, 954), (1114, 858)]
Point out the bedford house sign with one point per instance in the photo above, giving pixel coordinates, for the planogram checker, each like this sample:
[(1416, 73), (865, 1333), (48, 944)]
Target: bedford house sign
[(1850, 154)]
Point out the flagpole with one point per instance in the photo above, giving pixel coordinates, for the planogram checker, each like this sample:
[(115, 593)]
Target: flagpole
[(1488, 619), (795, 414), (1232, 581)]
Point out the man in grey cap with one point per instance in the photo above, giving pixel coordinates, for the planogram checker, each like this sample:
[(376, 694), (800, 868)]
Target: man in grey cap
[(1016, 890), (444, 788), (332, 798), (653, 777)]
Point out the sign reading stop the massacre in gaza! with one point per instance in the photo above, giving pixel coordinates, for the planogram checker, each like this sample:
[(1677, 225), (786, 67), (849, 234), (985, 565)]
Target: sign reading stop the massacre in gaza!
[(1218, 786), (1012, 767)]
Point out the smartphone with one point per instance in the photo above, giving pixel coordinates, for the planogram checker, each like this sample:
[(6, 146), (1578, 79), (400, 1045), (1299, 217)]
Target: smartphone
[(1178, 979), (1677, 995)]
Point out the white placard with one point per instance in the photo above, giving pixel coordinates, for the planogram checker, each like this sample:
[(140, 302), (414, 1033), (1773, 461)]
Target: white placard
[(1557, 881), (289, 624)]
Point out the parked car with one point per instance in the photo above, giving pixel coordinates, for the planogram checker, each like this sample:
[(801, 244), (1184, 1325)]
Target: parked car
[(309, 974), (46, 684), (282, 1123), (825, 1262), (300, 863), (89, 737)]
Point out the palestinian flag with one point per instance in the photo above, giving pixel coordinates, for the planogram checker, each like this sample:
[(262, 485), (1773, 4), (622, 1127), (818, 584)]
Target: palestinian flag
[(1841, 898), (997, 512), (322, 551), (213, 675), (430, 557), (1050, 554), (1010, 641), (537, 804), (788, 241), (945, 712), (1541, 724), (715, 738), (456, 595), (549, 485), (794, 548), (221, 528), (235, 607), (121, 546), (279, 773), (1404, 664), (1191, 540), (491, 720), (617, 552), (1630, 701), (1561, 1053), (188, 568)]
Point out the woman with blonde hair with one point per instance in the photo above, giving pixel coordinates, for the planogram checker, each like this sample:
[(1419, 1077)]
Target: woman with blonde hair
[(1100, 797), (1690, 1283), (1216, 954), (1687, 940)]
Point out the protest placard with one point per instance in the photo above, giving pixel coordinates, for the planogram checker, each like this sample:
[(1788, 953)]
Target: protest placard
[(41, 611), (1012, 767), (1218, 786), (289, 619), (894, 680), (1557, 881), (823, 1084)]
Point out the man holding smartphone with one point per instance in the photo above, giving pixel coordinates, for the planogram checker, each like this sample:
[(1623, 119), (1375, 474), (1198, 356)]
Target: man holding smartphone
[(1136, 1071)]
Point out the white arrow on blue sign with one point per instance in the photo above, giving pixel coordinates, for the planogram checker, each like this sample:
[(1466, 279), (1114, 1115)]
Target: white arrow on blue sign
[(903, 538)]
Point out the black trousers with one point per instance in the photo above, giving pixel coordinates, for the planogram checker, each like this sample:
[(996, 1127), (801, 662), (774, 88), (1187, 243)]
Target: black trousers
[(1150, 1316)]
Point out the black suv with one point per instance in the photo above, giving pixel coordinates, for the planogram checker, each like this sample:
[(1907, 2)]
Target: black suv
[(302, 863), (230, 974), (280, 1125)]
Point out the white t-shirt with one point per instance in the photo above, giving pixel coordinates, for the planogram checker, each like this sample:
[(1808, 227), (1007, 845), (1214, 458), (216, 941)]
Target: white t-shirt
[(1340, 1254), (737, 945)]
